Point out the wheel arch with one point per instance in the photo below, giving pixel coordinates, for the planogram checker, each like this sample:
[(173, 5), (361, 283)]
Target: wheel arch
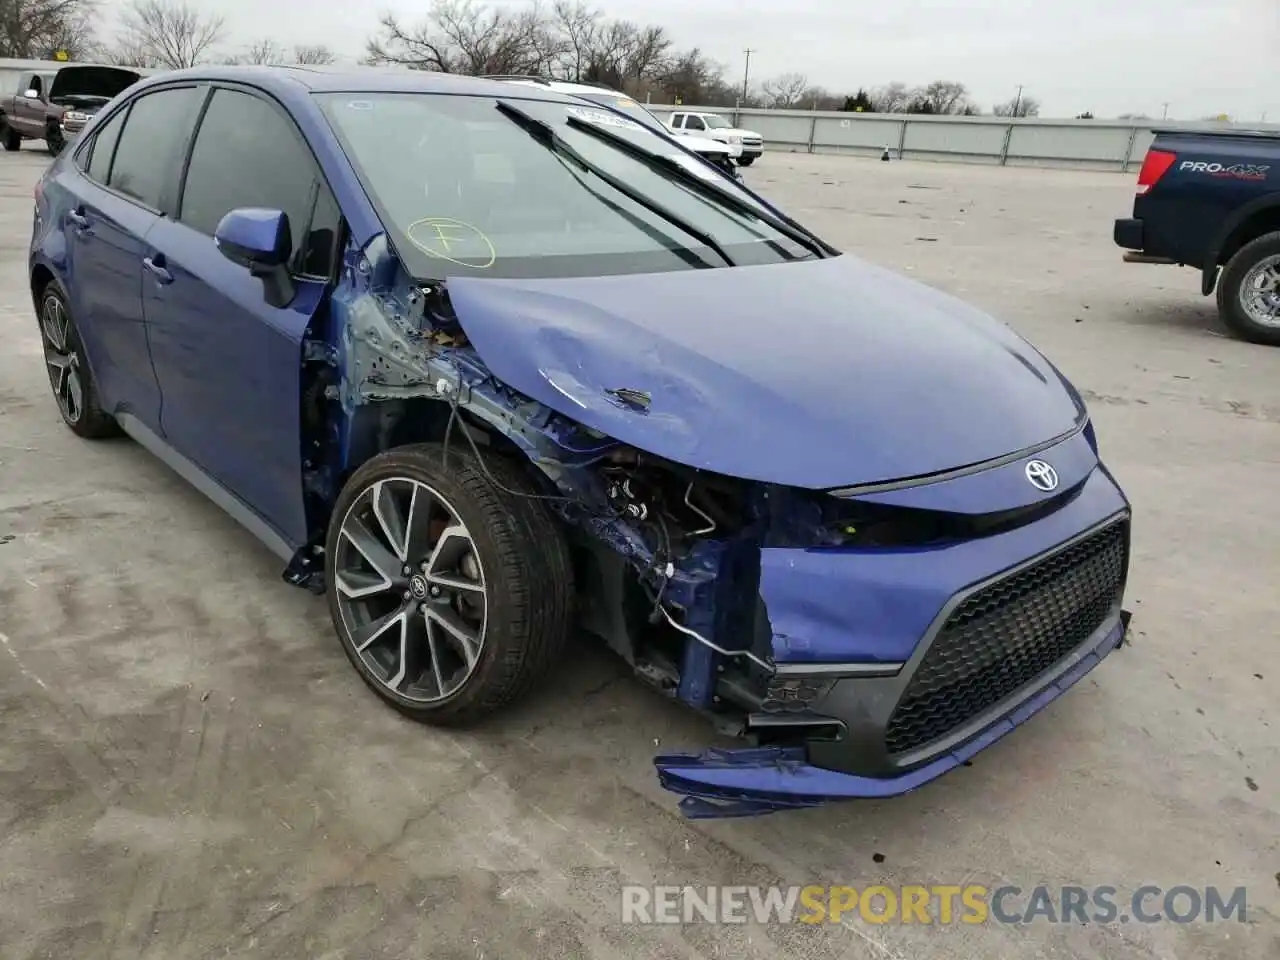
[(376, 427), (1258, 217)]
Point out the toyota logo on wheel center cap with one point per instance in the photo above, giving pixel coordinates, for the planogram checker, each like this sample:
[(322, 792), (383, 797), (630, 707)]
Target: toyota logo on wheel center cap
[(418, 587), (1042, 476)]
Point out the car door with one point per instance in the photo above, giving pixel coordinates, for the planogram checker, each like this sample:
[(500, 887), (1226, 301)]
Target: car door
[(29, 112), (228, 362), (123, 180), (694, 123)]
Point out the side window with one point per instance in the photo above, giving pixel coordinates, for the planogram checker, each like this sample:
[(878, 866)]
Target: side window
[(248, 154), (104, 147), (677, 120), (36, 85), (148, 160), (694, 123)]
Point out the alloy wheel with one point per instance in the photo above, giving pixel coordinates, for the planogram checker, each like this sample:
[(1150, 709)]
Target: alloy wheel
[(1260, 292), (410, 589), (61, 359)]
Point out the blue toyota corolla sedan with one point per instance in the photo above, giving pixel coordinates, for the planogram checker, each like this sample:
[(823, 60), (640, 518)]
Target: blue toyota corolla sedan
[(487, 365)]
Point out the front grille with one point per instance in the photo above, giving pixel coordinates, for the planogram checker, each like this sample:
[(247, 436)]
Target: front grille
[(1007, 634), (794, 694)]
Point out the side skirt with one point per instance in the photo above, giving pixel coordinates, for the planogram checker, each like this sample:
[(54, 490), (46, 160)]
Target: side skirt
[(194, 475)]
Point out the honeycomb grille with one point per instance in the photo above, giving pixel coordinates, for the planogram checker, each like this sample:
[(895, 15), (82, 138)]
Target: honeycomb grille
[(1008, 634)]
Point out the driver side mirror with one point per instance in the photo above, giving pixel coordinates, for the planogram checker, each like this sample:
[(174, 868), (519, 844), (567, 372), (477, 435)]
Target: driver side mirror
[(260, 240), (32, 94)]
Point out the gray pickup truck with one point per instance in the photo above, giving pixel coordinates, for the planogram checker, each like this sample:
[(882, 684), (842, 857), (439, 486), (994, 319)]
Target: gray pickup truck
[(53, 105)]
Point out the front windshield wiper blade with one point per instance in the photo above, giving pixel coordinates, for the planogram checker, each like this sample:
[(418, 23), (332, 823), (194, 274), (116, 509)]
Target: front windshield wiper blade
[(784, 225), (546, 134)]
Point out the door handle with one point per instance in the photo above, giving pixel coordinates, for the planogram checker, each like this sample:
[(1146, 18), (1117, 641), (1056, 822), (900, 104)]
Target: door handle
[(161, 274)]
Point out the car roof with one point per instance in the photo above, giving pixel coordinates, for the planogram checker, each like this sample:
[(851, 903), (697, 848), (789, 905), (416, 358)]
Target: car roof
[(563, 86), (349, 79)]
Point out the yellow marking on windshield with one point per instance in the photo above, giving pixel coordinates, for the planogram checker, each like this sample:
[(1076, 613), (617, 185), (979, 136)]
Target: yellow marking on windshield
[(451, 239)]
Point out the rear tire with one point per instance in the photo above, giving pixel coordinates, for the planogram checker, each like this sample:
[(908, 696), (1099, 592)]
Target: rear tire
[(9, 137), (451, 594), (74, 389), (1249, 291)]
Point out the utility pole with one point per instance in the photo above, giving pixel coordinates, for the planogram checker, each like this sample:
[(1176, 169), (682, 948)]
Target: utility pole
[(746, 71), (1017, 101), (1165, 115)]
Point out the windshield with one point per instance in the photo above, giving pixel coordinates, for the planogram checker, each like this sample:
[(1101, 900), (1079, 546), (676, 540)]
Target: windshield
[(463, 189), (716, 122)]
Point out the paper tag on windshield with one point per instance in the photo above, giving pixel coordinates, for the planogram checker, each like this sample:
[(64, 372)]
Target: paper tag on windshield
[(604, 118)]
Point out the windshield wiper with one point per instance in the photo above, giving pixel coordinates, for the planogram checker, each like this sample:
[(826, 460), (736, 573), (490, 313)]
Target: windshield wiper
[(546, 134), (784, 225)]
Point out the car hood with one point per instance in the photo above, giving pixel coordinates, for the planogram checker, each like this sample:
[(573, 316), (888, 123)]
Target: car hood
[(821, 373), (104, 82)]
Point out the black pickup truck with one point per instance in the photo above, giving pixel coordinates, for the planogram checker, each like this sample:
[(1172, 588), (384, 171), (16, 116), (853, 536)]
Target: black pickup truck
[(1211, 200), (53, 105)]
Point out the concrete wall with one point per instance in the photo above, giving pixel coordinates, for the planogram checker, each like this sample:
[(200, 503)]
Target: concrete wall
[(1091, 144)]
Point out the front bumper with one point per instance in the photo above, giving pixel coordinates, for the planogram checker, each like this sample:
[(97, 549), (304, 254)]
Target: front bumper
[(752, 149), (1003, 625), (736, 783)]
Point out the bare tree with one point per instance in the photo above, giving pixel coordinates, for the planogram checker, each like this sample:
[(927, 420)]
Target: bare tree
[(784, 92), (1022, 106), (37, 29), (130, 52), (579, 27), (317, 54), (893, 98), (631, 57), (263, 52), (694, 78), (820, 98), (569, 41), (943, 97), (171, 32), (460, 36)]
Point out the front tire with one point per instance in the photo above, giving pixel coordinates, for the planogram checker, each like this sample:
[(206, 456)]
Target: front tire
[(11, 139), (451, 594), (1249, 291), (54, 141), (746, 161), (72, 381)]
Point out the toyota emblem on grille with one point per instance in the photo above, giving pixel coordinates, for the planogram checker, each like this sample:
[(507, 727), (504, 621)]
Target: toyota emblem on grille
[(1042, 476)]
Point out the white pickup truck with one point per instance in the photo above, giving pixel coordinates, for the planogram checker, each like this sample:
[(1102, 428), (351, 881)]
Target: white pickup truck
[(716, 127)]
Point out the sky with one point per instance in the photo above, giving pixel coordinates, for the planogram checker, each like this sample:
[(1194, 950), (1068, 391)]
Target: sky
[(1200, 57)]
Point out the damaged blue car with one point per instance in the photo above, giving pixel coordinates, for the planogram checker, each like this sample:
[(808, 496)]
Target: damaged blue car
[(487, 365)]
